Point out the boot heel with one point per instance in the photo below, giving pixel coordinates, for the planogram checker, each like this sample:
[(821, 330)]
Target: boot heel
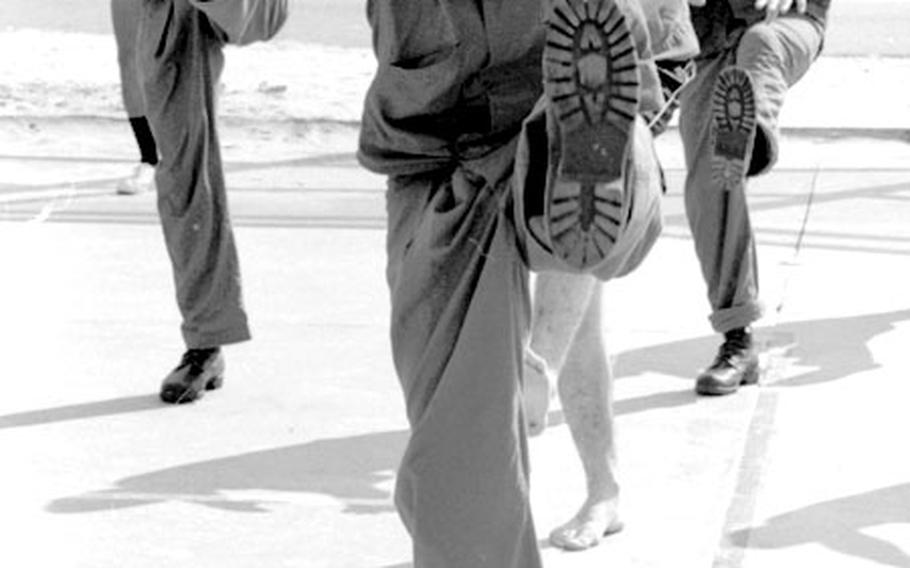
[(750, 375), (215, 383)]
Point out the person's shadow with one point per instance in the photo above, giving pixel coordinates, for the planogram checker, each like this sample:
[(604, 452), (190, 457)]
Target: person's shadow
[(353, 468), (349, 469), (83, 411), (819, 350), (825, 349), (838, 524)]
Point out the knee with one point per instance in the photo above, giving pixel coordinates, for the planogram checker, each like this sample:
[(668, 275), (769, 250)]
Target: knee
[(759, 42)]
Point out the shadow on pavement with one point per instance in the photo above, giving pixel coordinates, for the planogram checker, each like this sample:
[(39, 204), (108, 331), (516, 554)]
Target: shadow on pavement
[(82, 411), (351, 468), (348, 469), (825, 350), (838, 524), (828, 350)]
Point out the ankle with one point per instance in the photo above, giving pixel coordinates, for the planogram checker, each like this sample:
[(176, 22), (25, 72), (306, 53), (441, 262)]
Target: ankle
[(739, 335)]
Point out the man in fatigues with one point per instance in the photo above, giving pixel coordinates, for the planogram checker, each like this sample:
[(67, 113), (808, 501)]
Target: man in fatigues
[(566, 351), (180, 61), (486, 179), (753, 51)]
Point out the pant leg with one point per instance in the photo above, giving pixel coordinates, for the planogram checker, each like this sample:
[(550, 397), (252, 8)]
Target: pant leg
[(459, 317), (719, 220), (125, 16), (181, 60), (776, 54)]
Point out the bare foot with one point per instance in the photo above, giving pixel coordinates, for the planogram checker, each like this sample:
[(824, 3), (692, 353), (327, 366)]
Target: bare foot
[(538, 390), (590, 525)]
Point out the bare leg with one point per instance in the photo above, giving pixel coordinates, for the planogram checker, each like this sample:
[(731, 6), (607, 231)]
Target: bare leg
[(586, 393), (567, 340), (560, 301)]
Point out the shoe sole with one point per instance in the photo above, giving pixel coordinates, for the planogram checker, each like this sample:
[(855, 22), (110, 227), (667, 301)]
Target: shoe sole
[(750, 377), (590, 71), (179, 394), (182, 394), (733, 123)]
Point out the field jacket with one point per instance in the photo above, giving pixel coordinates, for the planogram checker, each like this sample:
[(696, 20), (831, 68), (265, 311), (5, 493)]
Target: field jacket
[(456, 79)]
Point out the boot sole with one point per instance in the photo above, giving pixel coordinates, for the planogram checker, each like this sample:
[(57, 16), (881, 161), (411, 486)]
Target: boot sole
[(733, 124), (590, 71)]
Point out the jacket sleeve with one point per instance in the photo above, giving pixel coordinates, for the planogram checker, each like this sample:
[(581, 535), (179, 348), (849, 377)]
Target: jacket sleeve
[(245, 21)]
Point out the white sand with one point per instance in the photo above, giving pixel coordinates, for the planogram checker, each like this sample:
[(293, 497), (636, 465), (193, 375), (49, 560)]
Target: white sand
[(75, 74)]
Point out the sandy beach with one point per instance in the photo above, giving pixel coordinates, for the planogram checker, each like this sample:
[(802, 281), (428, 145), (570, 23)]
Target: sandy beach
[(327, 22)]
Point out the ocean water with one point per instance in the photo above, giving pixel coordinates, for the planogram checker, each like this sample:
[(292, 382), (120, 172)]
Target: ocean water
[(63, 62)]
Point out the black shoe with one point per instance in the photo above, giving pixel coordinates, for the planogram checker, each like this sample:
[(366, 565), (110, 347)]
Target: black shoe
[(736, 364), (199, 370)]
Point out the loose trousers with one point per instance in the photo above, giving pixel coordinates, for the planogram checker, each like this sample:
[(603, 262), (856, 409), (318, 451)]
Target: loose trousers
[(460, 244), (776, 55), (181, 61), (125, 15)]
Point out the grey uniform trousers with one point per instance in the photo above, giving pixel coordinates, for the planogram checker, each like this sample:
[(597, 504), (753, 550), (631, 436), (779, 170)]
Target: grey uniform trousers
[(125, 15), (459, 249), (776, 55), (180, 61)]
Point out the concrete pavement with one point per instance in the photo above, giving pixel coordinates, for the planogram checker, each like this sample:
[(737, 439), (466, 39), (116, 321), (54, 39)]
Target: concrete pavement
[(292, 463)]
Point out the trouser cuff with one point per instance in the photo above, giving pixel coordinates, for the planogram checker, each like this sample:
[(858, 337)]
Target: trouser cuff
[(737, 316), (196, 340)]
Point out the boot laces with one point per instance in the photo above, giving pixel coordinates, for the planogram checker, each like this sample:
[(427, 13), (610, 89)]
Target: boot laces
[(733, 346), (196, 357)]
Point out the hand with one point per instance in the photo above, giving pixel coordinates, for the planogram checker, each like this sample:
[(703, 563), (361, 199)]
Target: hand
[(774, 8)]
